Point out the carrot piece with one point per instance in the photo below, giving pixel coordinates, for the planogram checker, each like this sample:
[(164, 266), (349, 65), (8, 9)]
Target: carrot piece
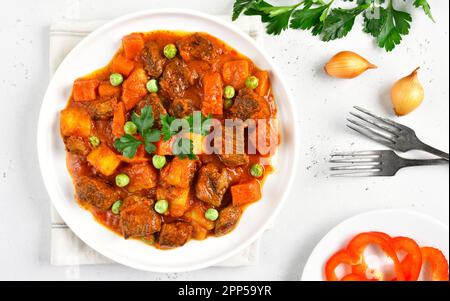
[(245, 193), (104, 160), (118, 120), (134, 88), (212, 94), (236, 72), (263, 83), (85, 89), (122, 65), (75, 121), (132, 45), (142, 176), (105, 89)]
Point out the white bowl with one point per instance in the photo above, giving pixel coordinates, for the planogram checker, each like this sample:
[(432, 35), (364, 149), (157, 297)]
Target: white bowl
[(94, 52)]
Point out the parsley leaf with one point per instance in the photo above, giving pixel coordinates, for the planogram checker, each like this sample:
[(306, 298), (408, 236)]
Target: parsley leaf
[(276, 17), (381, 20), (202, 128), (374, 20), (307, 18), (340, 21), (425, 6), (145, 121), (394, 26), (127, 145), (184, 148), (241, 5), (167, 132)]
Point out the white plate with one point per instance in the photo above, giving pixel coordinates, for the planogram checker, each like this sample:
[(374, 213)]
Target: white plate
[(94, 52), (425, 230)]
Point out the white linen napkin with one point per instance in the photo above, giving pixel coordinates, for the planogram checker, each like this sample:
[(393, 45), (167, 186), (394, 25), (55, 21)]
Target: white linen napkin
[(66, 247)]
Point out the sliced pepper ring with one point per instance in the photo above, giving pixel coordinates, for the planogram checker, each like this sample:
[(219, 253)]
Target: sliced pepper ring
[(340, 257), (412, 263), (438, 263), (359, 243)]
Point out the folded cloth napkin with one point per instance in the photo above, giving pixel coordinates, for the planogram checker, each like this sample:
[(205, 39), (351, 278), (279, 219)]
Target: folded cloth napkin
[(66, 247)]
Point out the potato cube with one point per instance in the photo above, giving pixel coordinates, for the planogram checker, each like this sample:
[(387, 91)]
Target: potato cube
[(104, 160), (75, 122)]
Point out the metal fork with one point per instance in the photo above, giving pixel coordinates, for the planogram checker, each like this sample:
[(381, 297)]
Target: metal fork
[(389, 133), (375, 163)]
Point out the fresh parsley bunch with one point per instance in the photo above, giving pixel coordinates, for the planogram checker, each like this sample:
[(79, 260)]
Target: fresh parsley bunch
[(381, 20), (128, 144)]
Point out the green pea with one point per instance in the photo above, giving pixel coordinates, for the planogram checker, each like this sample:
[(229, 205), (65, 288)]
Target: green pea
[(257, 170), (152, 86), (227, 103), (116, 207), (161, 206), (170, 51), (212, 214), (229, 92), (94, 141), (130, 128), (158, 161), (116, 79), (122, 180), (252, 82)]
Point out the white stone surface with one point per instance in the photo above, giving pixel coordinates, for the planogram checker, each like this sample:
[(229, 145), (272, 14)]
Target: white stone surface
[(315, 205)]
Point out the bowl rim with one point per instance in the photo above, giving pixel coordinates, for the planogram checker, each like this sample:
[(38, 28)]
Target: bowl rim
[(41, 140)]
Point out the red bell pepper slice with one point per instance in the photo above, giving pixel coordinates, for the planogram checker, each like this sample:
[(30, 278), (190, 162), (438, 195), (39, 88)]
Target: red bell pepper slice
[(412, 263), (340, 257), (354, 277), (359, 243), (438, 263)]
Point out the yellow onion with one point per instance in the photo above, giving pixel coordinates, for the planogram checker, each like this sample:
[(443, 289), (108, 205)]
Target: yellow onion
[(407, 94), (347, 64)]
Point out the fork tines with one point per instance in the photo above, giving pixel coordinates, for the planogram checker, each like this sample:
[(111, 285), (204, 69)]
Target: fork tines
[(380, 129), (361, 163)]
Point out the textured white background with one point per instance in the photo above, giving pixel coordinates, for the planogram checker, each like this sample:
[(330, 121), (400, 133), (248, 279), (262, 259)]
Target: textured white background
[(317, 202)]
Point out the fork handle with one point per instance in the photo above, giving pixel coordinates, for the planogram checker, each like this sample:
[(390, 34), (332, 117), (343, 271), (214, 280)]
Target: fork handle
[(434, 151), (413, 162)]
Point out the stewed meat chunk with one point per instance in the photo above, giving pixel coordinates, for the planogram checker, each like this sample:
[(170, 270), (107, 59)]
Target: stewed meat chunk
[(153, 59), (245, 105), (138, 218), (196, 46), (228, 219), (96, 192), (181, 107), (102, 108), (175, 234), (155, 103), (77, 145), (233, 149), (212, 184), (176, 78)]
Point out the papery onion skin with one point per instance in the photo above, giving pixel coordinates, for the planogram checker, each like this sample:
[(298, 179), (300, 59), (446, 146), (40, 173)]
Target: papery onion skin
[(347, 64), (407, 94)]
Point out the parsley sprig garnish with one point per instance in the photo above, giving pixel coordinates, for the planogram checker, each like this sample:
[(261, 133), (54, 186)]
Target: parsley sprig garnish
[(128, 144), (169, 130), (381, 20), (196, 123)]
